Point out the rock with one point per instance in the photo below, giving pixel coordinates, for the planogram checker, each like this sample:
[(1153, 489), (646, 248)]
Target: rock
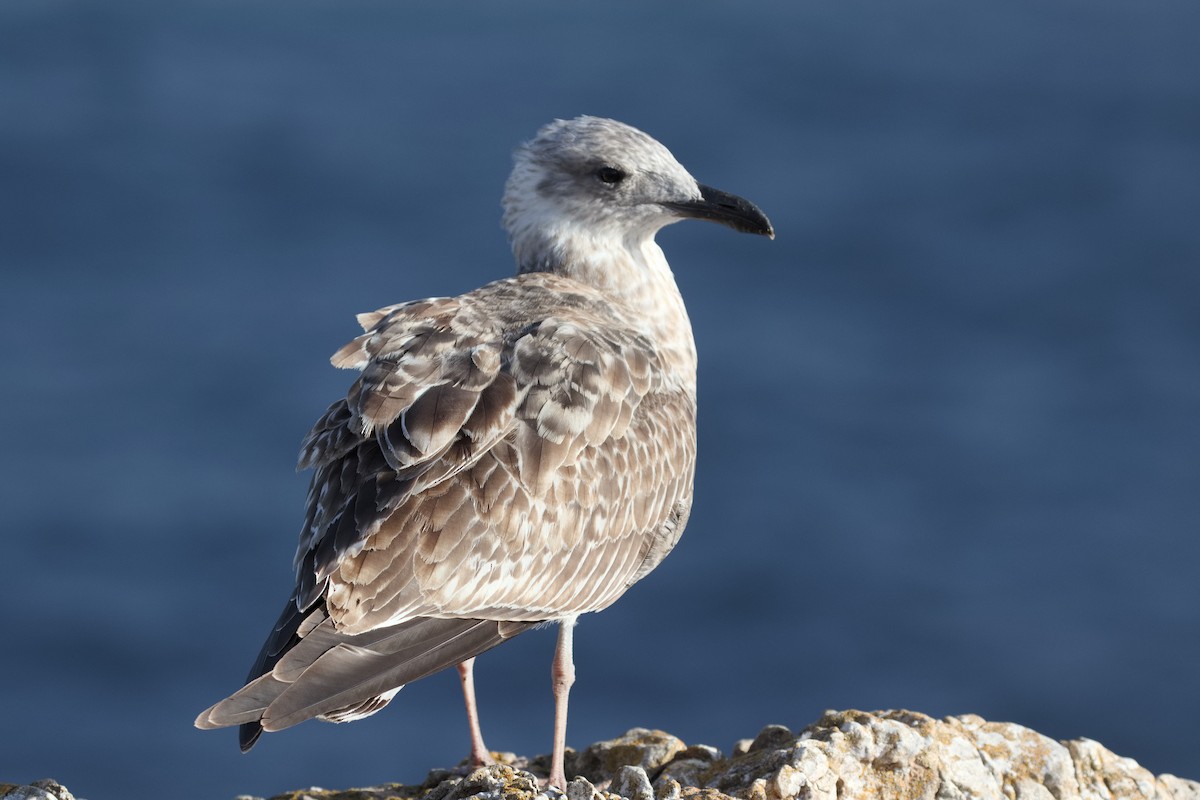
[(700, 752), (47, 789), (684, 771), (632, 782), (688, 767), (639, 747), (667, 790), (845, 755), (770, 738), (901, 754), (582, 789)]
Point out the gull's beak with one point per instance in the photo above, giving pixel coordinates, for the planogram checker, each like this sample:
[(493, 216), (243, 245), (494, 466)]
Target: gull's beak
[(727, 209)]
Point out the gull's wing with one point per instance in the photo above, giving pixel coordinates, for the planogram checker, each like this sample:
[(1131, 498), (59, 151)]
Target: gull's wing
[(431, 399), (539, 485)]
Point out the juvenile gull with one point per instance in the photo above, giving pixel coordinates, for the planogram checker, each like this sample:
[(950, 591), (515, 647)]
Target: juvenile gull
[(519, 454)]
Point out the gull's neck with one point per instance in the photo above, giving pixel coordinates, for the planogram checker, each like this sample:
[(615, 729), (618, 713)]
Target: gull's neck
[(631, 271)]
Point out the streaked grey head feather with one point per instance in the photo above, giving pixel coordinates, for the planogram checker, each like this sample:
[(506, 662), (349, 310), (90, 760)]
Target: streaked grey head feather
[(561, 179)]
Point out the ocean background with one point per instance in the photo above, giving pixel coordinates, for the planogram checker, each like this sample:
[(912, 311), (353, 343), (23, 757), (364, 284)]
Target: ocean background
[(949, 419)]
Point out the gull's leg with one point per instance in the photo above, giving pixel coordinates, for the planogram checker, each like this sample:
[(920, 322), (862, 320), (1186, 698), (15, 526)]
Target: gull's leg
[(562, 675), (480, 756)]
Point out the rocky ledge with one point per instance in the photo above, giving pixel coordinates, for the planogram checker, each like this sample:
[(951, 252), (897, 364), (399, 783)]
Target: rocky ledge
[(845, 755)]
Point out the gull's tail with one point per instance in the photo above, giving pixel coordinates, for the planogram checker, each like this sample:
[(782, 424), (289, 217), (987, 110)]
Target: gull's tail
[(307, 669)]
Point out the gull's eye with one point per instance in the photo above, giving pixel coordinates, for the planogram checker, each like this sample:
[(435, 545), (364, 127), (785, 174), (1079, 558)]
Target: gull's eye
[(610, 175)]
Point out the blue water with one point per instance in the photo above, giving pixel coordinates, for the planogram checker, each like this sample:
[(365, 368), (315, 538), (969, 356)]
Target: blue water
[(950, 418)]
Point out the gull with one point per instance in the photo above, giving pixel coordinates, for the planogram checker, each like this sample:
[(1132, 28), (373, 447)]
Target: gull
[(516, 455)]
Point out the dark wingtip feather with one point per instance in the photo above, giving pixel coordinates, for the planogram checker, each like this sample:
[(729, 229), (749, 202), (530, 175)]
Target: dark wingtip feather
[(248, 734)]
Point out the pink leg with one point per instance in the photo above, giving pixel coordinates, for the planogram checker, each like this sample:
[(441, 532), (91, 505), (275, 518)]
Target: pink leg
[(562, 675), (480, 756)]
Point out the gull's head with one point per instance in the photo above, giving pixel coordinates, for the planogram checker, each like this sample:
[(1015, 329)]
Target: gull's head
[(594, 184)]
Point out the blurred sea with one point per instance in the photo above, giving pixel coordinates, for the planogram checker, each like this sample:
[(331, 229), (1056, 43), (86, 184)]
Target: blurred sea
[(950, 418)]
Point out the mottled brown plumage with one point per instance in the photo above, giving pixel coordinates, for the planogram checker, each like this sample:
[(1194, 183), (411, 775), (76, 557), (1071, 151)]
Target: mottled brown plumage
[(520, 453)]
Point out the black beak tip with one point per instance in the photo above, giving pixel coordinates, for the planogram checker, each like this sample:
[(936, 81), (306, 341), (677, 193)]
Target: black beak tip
[(757, 227), (729, 209), (749, 218), (766, 229)]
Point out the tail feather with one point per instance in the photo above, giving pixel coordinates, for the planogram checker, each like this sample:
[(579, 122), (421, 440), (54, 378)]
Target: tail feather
[(347, 674), (307, 669)]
